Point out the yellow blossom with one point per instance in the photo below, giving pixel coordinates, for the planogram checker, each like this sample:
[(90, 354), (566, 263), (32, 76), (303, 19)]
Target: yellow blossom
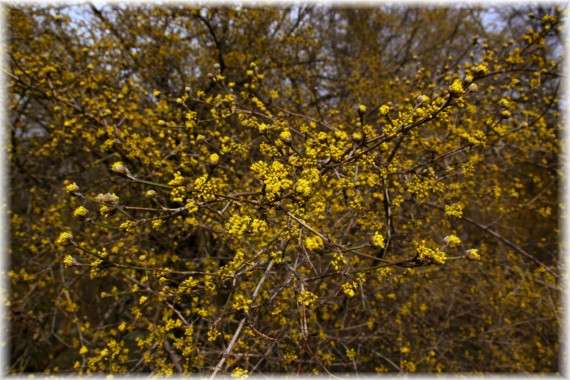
[(239, 373), (307, 298), (456, 89), (472, 254), (314, 243), (286, 136), (451, 241), (72, 188), (69, 261), (377, 241), (64, 239), (349, 288), (80, 213), (214, 159)]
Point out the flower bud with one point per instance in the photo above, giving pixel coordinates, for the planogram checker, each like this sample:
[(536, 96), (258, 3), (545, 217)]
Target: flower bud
[(286, 137), (107, 198), (70, 261), (119, 168), (357, 137), (80, 213), (150, 194), (422, 99), (376, 241), (481, 69), (472, 254), (214, 160), (64, 239), (72, 188), (451, 241), (473, 87)]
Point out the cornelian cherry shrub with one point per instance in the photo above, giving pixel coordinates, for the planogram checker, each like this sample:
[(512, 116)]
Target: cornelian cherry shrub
[(302, 189)]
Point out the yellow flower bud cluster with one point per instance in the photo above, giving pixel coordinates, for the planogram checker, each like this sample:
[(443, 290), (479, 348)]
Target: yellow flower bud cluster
[(241, 303), (349, 288), (307, 298), (273, 176), (72, 188), (451, 241), (377, 240), (472, 254), (64, 239), (314, 243), (456, 89), (80, 213), (435, 256)]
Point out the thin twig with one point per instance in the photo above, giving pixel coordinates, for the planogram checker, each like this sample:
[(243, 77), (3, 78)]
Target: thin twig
[(228, 349)]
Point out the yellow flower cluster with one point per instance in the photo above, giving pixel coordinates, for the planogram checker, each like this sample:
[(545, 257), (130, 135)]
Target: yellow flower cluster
[(377, 241), (237, 225), (309, 177), (436, 256), (456, 89), (213, 334), (273, 176), (191, 206), (80, 213), (338, 260), (240, 373), (205, 188), (349, 288), (258, 226), (72, 188), (69, 261), (64, 239), (128, 226), (455, 209), (241, 303), (307, 298), (384, 110), (451, 241), (314, 243), (178, 180), (214, 159), (191, 118), (472, 254)]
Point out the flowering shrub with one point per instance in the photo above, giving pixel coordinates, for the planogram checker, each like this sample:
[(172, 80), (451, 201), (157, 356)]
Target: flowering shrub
[(305, 190)]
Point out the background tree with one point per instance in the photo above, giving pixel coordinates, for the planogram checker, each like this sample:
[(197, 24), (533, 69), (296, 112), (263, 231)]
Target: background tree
[(296, 189)]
